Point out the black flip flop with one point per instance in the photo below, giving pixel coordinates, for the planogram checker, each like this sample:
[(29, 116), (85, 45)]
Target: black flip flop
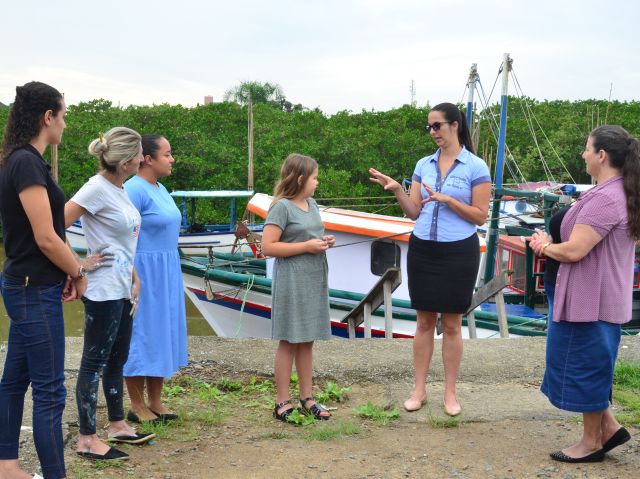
[(110, 455), (165, 417), (137, 438), (133, 417)]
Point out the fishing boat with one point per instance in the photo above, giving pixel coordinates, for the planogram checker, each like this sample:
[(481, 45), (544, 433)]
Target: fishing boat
[(234, 295), (233, 292), (196, 238)]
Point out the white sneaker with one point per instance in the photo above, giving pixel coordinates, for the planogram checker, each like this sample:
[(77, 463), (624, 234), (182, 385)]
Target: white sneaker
[(37, 476)]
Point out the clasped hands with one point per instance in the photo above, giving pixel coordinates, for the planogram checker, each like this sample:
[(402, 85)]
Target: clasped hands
[(537, 241), (319, 245), (75, 288)]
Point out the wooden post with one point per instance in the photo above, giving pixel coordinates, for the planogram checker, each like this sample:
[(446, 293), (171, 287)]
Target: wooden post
[(388, 310), (351, 325), (471, 325), (502, 315), (367, 320), (54, 162)]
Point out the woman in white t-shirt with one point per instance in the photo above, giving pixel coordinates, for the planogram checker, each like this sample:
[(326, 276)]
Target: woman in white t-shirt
[(111, 224)]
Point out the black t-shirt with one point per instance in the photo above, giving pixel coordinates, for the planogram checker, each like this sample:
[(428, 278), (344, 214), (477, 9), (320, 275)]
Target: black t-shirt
[(25, 167), (552, 265)]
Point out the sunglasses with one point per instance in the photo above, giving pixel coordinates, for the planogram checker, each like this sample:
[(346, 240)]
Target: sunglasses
[(435, 126)]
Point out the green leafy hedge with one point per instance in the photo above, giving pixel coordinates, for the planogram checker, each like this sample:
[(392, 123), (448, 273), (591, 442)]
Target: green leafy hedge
[(210, 141)]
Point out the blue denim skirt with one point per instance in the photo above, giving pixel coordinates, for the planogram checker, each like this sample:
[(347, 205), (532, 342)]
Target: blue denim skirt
[(580, 361)]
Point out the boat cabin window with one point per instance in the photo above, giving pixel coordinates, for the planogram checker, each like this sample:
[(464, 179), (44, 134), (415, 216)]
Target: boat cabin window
[(385, 254)]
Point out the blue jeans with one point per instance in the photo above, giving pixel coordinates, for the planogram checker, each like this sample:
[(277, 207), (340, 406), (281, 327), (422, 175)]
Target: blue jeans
[(35, 355), (107, 334)]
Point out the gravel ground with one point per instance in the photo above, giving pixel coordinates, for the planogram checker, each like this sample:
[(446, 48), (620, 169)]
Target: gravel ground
[(507, 427)]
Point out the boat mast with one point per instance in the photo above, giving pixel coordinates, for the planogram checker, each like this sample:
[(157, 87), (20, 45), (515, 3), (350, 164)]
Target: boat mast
[(252, 218), (492, 232), (471, 84)]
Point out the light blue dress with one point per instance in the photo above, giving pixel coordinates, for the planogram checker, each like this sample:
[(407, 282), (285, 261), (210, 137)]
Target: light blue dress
[(159, 339)]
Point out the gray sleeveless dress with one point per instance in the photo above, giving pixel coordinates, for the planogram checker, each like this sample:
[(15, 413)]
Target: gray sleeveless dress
[(300, 291)]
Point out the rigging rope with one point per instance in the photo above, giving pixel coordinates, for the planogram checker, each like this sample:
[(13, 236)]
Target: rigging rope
[(517, 83)]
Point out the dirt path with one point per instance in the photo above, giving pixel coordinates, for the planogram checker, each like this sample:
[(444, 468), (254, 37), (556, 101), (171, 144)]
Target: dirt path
[(506, 430)]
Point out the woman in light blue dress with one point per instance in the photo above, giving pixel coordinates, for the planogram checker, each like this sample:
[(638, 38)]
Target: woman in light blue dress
[(159, 340)]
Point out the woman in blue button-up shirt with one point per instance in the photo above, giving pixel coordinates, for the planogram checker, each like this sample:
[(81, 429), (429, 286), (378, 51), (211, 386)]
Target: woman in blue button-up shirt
[(450, 195)]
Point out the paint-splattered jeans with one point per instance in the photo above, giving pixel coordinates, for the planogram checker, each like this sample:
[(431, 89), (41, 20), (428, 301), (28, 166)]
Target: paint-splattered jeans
[(35, 355), (107, 334)]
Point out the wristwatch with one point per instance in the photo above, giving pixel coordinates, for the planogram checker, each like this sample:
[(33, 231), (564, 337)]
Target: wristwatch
[(81, 273)]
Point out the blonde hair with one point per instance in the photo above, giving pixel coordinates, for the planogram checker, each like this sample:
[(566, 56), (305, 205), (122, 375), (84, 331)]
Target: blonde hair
[(294, 167), (117, 146)]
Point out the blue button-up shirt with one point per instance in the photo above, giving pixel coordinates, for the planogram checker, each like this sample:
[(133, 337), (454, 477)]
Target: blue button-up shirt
[(438, 222)]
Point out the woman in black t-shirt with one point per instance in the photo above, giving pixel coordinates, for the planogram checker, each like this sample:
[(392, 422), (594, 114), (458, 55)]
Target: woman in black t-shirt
[(40, 269)]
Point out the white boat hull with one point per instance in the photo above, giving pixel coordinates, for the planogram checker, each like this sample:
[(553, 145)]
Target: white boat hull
[(236, 311), (220, 242)]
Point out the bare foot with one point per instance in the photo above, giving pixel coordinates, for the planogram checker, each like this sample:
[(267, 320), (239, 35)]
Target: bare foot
[(91, 444), (160, 409), (144, 413), (120, 428), (10, 469)]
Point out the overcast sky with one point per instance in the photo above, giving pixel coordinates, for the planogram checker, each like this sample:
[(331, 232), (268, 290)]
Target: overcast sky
[(332, 54)]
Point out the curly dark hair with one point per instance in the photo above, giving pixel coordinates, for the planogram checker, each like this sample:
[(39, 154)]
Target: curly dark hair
[(624, 155), (32, 101)]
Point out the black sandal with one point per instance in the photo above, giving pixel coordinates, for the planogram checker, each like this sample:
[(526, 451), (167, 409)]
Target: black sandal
[(284, 415), (316, 410)]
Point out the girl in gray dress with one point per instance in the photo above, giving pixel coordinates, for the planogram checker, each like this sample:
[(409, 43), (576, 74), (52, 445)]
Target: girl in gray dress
[(294, 234)]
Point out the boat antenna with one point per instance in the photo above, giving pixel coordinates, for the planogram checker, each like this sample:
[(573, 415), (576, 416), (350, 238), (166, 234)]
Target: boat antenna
[(606, 114)]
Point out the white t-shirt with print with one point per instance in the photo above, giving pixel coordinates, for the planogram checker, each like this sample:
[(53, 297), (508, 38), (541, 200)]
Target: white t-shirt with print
[(111, 219)]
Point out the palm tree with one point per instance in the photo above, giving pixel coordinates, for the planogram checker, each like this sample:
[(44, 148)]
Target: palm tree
[(258, 92)]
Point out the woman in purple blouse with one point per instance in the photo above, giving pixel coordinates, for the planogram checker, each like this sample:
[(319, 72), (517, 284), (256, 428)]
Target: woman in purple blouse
[(593, 291)]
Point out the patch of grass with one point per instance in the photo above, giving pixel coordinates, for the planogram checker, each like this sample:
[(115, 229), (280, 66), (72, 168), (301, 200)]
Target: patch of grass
[(629, 400), (209, 418), (627, 375), (256, 385), (332, 392), (300, 420), (442, 423), (161, 430), (207, 392), (333, 430), (626, 393), (227, 385), (82, 469), (377, 413), (173, 390), (576, 419)]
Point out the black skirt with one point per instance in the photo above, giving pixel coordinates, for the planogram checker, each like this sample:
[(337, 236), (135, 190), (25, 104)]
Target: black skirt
[(442, 275)]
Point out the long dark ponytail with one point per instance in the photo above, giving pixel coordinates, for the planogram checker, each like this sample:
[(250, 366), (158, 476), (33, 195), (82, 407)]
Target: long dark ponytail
[(32, 101), (452, 113), (624, 155)]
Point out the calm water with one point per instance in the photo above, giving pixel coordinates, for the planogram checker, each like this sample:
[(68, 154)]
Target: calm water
[(74, 317)]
